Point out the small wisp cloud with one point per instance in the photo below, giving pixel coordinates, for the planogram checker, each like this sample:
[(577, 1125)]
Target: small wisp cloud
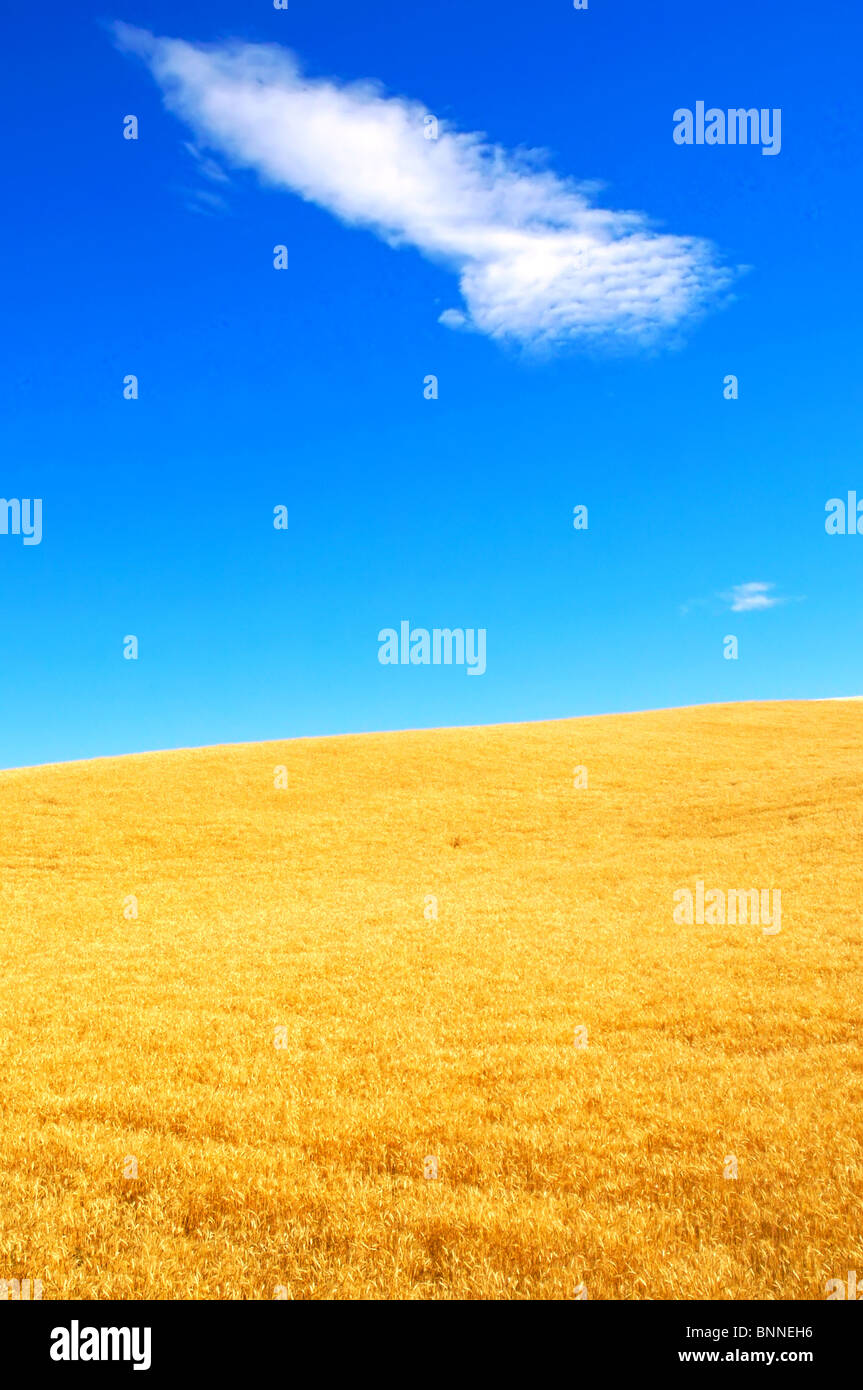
[(538, 263), (746, 598), (752, 597)]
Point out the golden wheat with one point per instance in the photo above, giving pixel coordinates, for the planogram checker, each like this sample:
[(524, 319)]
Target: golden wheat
[(285, 1033)]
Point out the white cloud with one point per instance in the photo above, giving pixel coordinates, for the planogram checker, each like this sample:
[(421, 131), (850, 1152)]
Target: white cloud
[(208, 167), (202, 200), (537, 261), (744, 598)]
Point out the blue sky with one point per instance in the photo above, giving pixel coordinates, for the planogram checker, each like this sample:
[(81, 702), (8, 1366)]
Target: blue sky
[(305, 387)]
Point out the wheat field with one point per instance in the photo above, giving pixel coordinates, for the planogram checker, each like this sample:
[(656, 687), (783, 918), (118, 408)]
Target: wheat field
[(286, 1041)]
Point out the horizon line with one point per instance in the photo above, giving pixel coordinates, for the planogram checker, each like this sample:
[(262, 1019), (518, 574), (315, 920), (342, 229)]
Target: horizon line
[(428, 729)]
